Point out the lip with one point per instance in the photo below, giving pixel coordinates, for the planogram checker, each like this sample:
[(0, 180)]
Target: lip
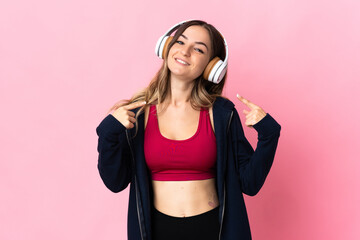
[(181, 60)]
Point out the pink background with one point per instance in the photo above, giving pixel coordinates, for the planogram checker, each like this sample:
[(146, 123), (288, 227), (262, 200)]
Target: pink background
[(64, 63)]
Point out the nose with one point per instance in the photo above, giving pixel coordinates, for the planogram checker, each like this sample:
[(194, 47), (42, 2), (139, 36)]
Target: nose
[(185, 50)]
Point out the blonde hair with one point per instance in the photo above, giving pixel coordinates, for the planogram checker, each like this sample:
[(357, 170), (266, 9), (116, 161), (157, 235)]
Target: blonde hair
[(204, 92)]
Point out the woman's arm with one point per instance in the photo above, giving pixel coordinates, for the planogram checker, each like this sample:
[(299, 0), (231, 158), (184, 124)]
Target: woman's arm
[(114, 162), (254, 166)]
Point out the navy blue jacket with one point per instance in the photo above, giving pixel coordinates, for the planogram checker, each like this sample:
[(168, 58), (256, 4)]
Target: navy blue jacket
[(240, 169)]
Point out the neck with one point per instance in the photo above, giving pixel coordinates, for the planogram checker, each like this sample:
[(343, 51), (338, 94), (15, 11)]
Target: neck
[(180, 92)]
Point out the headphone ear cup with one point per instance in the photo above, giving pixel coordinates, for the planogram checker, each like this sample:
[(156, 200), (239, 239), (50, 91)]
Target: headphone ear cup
[(209, 70), (215, 70), (220, 73), (166, 45), (161, 46), (159, 43)]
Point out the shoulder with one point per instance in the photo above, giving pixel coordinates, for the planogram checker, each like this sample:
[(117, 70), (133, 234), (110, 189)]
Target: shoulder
[(223, 104)]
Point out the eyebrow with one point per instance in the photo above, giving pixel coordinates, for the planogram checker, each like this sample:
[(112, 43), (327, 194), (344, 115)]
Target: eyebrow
[(182, 35)]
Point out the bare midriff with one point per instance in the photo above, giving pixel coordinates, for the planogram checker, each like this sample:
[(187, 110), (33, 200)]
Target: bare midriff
[(185, 198)]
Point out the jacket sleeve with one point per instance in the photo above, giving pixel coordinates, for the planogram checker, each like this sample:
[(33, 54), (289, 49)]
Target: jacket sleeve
[(254, 166), (114, 161)]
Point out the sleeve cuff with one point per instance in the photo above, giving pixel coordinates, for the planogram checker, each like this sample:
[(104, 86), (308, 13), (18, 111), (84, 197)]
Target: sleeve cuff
[(267, 126)]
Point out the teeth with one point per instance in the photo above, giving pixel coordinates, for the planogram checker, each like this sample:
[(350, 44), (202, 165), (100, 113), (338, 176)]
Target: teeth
[(181, 61)]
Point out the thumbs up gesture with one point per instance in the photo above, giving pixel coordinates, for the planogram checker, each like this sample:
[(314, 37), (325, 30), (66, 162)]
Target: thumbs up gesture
[(255, 114)]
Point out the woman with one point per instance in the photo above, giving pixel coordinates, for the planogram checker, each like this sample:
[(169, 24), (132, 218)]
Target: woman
[(187, 160)]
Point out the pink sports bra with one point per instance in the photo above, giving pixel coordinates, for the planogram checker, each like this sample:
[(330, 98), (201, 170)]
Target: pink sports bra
[(180, 160)]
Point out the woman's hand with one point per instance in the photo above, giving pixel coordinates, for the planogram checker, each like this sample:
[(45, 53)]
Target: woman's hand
[(256, 113), (125, 116)]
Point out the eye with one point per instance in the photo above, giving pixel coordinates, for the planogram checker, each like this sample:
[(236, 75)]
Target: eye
[(199, 50), (180, 42)]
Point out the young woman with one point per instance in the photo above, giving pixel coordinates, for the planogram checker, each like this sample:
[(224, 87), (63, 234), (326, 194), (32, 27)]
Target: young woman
[(187, 159)]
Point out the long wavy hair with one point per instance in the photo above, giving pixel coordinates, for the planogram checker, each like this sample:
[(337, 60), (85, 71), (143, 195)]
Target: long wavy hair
[(204, 92)]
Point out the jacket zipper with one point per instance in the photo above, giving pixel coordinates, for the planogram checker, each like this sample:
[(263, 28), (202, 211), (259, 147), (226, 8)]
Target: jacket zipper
[(223, 210), (136, 186)]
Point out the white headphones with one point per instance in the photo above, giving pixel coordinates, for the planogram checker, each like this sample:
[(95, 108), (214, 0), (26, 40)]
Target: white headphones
[(214, 71)]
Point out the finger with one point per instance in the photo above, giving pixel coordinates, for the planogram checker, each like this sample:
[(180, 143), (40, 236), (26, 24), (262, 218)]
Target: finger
[(130, 113), (131, 119), (245, 112), (246, 102), (130, 126), (134, 105)]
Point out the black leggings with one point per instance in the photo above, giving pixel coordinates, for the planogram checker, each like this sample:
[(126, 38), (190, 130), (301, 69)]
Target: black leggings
[(202, 226)]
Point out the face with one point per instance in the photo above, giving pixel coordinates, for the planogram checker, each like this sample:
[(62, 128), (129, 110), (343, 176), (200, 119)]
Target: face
[(190, 54)]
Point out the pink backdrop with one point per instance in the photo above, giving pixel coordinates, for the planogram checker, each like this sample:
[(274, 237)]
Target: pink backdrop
[(64, 63)]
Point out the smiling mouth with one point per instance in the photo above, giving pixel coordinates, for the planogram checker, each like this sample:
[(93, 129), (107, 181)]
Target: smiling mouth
[(181, 61)]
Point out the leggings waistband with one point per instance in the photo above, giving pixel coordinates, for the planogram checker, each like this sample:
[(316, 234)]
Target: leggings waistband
[(212, 212), (201, 226)]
